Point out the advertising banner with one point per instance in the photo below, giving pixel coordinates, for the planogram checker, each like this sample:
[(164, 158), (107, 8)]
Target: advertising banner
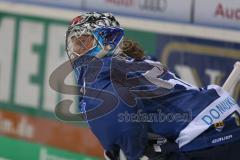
[(150, 9), (49, 132), (30, 49), (199, 61), (69, 4), (12, 149), (157, 9), (218, 13)]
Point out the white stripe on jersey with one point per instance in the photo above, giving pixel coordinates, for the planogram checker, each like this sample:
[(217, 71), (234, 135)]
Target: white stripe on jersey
[(217, 111)]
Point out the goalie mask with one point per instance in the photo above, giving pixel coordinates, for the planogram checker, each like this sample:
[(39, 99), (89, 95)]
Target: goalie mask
[(93, 34)]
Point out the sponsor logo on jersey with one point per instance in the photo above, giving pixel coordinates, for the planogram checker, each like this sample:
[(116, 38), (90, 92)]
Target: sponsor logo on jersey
[(220, 139), (219, 110), (219, 126)]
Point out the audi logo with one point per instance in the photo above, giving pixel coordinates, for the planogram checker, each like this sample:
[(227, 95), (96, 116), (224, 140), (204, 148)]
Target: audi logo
[(153, 5)]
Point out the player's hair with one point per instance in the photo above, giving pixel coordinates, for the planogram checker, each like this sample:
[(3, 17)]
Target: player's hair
[(132, 49)]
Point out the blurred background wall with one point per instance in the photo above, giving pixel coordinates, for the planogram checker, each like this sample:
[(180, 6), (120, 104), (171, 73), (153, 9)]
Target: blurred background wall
[(197, 39)]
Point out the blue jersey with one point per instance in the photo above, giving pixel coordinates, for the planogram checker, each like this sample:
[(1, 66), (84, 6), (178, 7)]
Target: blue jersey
[(124, 100)]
